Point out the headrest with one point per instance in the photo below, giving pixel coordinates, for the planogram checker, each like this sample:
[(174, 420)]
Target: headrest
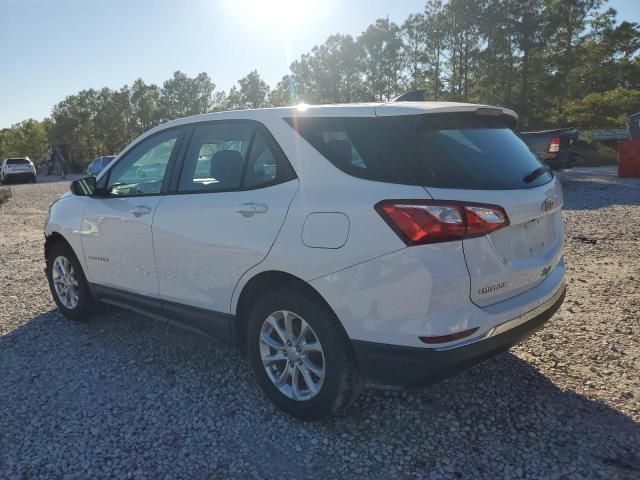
[(340, 151), (226, 167)]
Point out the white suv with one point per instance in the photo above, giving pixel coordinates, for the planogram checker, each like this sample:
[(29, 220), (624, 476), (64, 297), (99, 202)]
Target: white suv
[(17, 169), (394, 242)]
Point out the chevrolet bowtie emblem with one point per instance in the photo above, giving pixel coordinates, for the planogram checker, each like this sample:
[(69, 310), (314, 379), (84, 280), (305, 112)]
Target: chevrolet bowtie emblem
[(547, 205)]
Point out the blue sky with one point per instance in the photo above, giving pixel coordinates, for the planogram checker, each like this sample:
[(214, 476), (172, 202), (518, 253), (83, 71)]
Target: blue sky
[(53, 48)]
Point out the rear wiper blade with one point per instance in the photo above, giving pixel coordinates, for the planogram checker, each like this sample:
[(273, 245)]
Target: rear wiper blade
[(530, 177)]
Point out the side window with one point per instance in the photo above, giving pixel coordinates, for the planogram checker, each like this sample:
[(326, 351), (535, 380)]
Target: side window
[(339, 145), (216, 157), (266, 164), (142, 170)]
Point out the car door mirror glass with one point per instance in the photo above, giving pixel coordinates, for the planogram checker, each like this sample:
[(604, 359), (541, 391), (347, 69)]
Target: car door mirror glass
[(84, 187)]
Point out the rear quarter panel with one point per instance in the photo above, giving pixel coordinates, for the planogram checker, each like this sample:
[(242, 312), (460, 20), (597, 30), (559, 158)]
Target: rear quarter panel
[(326, 189)]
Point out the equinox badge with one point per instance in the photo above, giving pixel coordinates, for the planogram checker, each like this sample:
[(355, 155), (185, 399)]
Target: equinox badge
[(492, 288)]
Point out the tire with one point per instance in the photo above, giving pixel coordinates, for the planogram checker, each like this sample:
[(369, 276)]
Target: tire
[(33, 179), (341, 381), (84, 306)]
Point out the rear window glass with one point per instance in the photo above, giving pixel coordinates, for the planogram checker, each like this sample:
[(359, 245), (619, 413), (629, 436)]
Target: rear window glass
[(17, 161), (464, 151)]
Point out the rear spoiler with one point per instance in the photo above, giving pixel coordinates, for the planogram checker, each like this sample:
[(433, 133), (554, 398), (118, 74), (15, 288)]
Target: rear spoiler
[(412, 96), (509, 116)]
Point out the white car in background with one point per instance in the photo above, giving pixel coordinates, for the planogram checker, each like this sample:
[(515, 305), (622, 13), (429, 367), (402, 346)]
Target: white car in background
[(395, 242), (17, 169)]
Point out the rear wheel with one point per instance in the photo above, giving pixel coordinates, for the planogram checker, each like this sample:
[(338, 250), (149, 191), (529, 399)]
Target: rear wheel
[(68, 284), (300, 354), (33, 179)]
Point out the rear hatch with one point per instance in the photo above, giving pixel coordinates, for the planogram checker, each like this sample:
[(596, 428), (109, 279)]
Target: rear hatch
[(515, 258), (17, 165), (477, 158)]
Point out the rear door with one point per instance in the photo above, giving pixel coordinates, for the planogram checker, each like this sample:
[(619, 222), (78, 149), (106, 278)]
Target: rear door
[(229, 201)]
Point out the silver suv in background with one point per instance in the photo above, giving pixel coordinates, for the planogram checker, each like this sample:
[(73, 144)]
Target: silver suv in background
[(17, 169)]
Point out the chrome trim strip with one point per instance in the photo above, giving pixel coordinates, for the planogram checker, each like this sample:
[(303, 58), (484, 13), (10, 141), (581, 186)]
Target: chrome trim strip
[(510, 324)]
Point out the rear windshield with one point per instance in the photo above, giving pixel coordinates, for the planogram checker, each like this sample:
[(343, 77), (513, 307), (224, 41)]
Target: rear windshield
[(435, 150), (17, 161)]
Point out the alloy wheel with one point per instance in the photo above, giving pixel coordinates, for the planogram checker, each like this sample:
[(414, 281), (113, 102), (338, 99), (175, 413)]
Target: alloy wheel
[(65, 282), (292, 355)]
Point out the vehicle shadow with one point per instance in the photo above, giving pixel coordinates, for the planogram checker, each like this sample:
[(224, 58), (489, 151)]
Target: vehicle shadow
[(122, 391), (591, 188)]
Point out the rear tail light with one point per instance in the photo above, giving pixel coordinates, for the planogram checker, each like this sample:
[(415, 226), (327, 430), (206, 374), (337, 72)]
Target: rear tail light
[(554, 145), (419, 222)]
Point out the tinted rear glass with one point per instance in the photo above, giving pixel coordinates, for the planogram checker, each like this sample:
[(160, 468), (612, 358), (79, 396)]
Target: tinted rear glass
[(435, 150), (17, 161)]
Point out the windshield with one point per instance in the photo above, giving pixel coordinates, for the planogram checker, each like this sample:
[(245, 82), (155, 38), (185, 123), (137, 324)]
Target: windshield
[(457, 150), (17, 161)]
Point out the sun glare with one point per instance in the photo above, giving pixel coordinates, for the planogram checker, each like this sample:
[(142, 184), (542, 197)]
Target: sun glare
[(278, 16)]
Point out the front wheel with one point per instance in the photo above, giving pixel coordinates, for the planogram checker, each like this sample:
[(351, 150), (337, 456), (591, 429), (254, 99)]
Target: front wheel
[(68, 284), (300, 354)]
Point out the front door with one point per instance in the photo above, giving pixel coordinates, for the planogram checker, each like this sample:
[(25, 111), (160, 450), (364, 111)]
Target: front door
[(116, 227)]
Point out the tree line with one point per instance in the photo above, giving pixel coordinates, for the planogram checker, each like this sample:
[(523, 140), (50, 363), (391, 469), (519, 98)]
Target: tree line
[(555, 62)]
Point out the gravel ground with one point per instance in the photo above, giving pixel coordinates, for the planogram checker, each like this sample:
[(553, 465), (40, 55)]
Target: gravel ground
[(125, 397)]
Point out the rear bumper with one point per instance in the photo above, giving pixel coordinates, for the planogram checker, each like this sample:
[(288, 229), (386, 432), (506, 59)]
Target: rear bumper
[(18, 177), (413, 367)]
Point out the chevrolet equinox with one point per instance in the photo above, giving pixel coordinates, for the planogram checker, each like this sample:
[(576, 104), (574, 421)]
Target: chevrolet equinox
[(394, 242)]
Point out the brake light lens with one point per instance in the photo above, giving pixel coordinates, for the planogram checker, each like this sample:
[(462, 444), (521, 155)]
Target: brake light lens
[(554, 145), (420, 222)]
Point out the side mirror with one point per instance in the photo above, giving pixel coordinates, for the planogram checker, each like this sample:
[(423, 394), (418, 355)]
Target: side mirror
[(84, 187)]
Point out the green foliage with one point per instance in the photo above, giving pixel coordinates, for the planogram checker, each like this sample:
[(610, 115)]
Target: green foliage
[(251, 92), (182, 96), (556, 62), (609, 109), (595, 154), (24, 139), (284, 93), (382, 60), (145, 110)]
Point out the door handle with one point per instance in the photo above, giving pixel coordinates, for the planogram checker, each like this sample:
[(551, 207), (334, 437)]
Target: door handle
[(140, 210), (249, 209)]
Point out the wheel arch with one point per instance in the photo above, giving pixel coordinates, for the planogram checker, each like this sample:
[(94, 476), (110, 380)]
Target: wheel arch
[(53, 239), (264, 282)]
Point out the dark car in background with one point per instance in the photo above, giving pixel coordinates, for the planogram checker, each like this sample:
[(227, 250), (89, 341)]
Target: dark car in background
[(99, 164), (556, 148)]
